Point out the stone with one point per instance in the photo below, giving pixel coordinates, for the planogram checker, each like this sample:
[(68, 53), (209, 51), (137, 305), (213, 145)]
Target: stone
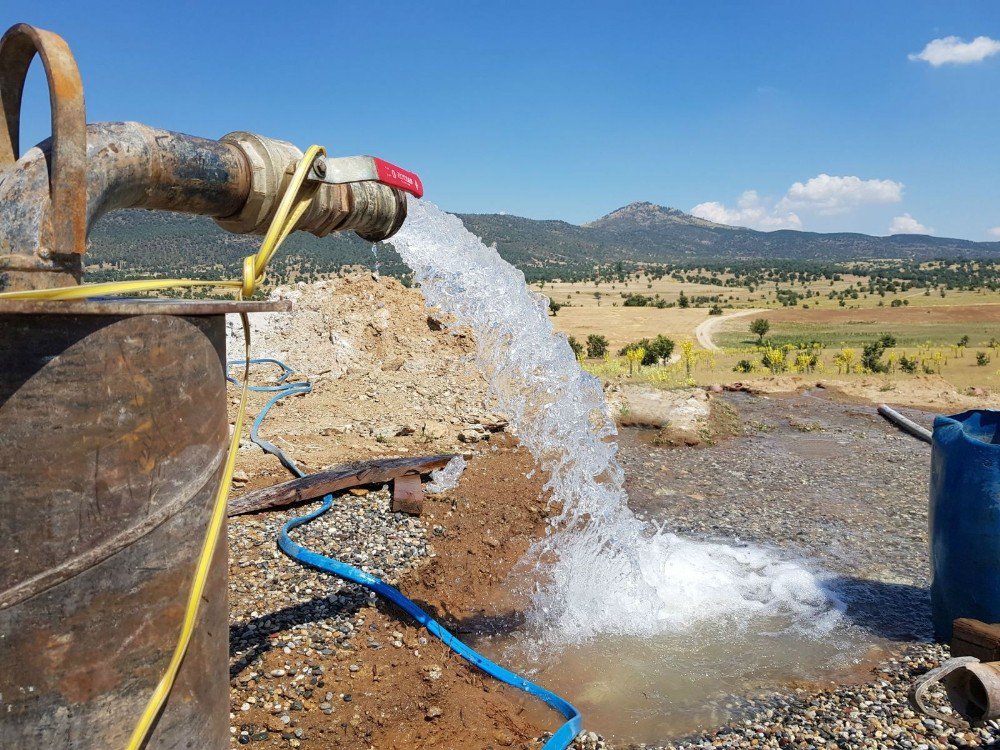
[(434, 430)]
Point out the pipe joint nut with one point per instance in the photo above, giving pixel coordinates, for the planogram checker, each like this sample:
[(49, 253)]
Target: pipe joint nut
[(271, 164)]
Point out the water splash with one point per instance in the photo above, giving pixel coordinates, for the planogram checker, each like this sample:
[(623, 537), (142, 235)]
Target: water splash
[(446, 478), (605, 571)]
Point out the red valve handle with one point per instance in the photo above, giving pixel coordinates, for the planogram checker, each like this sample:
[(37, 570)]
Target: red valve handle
[(390, 174)]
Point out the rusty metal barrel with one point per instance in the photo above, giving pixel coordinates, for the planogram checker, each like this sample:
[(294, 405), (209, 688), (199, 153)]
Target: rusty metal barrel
[(113, 433)]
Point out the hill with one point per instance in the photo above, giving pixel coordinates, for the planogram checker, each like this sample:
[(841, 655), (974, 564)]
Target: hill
[(127, 243)]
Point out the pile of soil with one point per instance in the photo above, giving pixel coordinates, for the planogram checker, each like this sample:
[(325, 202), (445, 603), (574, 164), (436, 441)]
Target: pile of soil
[(389, 376)]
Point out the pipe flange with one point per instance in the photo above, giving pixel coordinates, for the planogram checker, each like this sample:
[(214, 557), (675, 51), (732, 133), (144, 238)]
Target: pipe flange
[(271, 165)]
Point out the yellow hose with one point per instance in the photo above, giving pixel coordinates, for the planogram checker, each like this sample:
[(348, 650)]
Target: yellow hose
[(293, 204)]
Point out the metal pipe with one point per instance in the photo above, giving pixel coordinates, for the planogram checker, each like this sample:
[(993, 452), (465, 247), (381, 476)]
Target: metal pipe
[(907, 425), (238, 181), (129, 165)]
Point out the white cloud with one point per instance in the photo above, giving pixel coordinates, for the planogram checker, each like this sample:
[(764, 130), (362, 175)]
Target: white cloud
[(750, 211), (951, 50), (827, 194), (994, 232), (824, 195), (906, 224)]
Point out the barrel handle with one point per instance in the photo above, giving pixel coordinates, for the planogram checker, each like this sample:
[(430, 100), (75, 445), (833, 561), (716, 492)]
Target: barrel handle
[(68, 171)]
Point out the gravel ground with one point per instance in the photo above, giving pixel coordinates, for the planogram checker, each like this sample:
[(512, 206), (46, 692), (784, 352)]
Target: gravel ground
[(277, 604), (837, 484)]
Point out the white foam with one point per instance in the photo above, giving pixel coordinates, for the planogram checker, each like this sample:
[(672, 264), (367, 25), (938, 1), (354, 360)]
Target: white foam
[(605, 571), (446, 478)]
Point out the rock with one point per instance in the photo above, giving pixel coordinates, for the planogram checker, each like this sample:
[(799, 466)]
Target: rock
[(386, 432), (337, 429), (240, 477), (434, 430), (433, 712), (473, 434)]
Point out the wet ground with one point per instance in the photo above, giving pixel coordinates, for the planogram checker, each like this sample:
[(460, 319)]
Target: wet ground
[(813, 477), (810, 474)]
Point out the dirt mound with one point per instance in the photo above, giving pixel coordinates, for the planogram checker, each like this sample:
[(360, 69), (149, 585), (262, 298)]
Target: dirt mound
[(388, 375)]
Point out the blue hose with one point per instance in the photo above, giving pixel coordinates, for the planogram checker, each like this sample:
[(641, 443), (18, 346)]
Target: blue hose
[(558, 741)]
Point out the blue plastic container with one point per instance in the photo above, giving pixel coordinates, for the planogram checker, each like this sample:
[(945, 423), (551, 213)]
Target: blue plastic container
[(965, 519)]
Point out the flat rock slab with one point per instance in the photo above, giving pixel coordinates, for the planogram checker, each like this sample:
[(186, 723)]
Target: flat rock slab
[(684, 412)]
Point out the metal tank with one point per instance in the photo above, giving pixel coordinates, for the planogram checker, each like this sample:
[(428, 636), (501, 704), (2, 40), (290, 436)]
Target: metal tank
[(113, 423)]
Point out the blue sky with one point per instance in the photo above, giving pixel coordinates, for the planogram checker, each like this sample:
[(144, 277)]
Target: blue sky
[(571, 109)]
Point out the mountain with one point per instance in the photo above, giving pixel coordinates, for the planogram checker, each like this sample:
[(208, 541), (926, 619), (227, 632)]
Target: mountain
[(126, 243), (645, 231)]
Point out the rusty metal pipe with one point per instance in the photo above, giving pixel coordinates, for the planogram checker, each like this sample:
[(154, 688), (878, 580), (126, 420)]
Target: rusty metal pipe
[(238, 181), (129, 165)]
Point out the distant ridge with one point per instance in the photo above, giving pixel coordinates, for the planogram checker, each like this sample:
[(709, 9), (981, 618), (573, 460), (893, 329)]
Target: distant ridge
[(127, 243), (644, 231)]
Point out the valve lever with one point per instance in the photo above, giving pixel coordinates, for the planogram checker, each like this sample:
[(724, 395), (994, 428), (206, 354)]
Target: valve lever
[(346, 169)]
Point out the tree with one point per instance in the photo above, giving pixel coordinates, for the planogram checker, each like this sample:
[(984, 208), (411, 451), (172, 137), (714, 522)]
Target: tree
[(597, 345), (759, 327), (683, 300), (871, 357), (661, 348)]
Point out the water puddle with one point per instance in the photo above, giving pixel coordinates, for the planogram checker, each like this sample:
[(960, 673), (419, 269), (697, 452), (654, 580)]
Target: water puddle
[(653, 689)]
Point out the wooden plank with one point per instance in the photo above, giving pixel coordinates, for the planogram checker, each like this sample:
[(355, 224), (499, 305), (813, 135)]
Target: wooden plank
[(407, 495), (974, 638), (316, 485)]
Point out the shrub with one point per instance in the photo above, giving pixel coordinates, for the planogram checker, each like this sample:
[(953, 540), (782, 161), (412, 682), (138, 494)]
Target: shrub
[(656, 350), (597, 345), (774, 359), (908, 365), (715, 310), (576, 346), (982, 359), (744, 365), (887, 340)]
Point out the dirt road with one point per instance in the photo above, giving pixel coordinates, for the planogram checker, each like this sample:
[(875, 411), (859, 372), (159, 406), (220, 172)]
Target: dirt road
[(704, 330)]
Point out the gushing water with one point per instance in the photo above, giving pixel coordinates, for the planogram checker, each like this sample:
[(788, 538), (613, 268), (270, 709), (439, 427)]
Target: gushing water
[(605, 571)]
